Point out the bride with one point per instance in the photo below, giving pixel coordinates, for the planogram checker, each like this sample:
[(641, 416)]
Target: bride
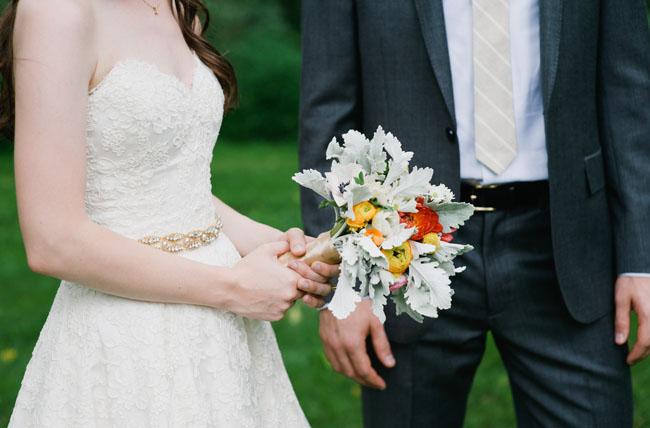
[(158, 320)]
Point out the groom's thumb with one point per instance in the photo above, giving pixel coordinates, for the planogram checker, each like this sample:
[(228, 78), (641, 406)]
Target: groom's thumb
[(381, 344)]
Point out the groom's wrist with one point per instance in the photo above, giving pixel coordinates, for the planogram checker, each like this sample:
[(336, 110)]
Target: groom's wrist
[(635, 274)]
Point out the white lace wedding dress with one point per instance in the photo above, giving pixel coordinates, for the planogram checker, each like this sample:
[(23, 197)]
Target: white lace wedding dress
[(105, 361)]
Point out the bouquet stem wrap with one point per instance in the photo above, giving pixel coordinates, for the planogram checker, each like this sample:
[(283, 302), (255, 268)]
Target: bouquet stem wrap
[(320, 249)]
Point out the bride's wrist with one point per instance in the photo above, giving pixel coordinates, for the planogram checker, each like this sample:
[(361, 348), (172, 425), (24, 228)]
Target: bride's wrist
[(221, 290), (270, 234)]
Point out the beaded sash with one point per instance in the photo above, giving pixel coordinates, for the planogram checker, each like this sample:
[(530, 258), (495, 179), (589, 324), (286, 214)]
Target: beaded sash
[(177, 242)]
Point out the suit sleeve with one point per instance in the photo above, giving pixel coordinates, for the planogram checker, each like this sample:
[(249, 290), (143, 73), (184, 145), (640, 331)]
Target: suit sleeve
[(624, 108), (330, 91)]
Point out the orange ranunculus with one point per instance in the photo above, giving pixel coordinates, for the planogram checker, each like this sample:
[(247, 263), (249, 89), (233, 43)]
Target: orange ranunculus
[(431, 239), (399, 258), (376, 236), (425, 220), (363, 213)]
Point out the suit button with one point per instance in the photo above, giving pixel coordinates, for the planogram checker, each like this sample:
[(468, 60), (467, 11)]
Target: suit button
[(451, 135)]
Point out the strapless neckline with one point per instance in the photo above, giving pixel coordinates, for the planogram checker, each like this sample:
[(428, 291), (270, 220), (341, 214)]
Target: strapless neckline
[(153, 67)]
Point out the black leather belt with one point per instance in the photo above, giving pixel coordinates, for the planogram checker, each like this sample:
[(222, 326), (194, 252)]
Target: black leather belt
[(505, 196)]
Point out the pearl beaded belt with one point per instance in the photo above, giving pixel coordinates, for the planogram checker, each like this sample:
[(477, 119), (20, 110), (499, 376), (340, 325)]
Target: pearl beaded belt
[(177, 242)]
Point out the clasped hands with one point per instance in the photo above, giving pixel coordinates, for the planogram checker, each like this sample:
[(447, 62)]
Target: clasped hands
[(264, 288), (314, 285)]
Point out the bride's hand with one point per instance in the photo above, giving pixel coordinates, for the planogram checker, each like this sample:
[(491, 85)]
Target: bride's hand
[(264, 289), (316, 278)]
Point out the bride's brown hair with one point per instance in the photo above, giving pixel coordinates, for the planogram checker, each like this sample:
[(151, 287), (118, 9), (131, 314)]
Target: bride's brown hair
[(189, 14)]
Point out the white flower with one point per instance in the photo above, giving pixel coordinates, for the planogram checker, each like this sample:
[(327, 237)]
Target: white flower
[(440, 194), (339, 178), (386, 221), (398, 236)]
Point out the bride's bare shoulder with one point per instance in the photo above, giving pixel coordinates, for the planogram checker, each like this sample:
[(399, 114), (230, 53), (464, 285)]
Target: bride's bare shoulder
[(54, 31), (51, 18)]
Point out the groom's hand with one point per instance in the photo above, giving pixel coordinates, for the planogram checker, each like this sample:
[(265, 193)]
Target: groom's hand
[(633, 293), (315, 285), (344, 342)]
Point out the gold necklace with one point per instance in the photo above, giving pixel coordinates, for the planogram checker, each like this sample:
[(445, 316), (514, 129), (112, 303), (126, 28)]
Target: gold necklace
[(153, 7)]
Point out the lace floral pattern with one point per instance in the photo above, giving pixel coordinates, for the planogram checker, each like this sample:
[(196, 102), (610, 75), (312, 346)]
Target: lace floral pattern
[(105, 361)]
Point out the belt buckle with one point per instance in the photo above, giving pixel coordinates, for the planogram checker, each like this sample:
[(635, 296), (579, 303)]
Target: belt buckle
[(473, 197), (484, 209)]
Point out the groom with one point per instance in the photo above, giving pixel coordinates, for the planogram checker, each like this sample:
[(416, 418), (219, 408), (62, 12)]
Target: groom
[(537, 112)]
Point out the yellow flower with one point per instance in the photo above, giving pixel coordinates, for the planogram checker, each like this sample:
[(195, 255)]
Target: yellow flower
[(8, 355), (399, 258), (432, 239), (363, 213)]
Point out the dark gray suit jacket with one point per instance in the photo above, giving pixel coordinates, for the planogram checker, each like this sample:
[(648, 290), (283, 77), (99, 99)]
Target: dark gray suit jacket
[(385, 62)]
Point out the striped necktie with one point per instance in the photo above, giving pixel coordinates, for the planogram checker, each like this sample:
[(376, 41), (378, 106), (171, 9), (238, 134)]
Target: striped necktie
[(494, 118)]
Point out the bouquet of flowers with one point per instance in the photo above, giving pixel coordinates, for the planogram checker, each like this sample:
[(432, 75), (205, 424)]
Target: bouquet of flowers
[(393, 230)]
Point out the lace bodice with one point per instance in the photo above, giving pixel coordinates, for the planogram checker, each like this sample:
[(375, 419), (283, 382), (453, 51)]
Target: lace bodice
[(149, 146)]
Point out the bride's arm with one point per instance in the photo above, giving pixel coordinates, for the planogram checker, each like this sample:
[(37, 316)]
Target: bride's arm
[(247, 234), (54, 62)]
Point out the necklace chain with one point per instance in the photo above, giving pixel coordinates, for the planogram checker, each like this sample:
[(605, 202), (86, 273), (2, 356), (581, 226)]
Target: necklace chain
[(153, 7)]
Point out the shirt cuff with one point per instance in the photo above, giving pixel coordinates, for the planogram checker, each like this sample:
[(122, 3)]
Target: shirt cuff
[(636, 274)]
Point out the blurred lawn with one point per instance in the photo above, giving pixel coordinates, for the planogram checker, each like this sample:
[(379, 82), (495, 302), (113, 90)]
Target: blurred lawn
[(263, 190)]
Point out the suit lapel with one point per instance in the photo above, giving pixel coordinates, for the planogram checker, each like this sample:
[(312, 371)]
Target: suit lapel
[(550, 30), (432, 21)]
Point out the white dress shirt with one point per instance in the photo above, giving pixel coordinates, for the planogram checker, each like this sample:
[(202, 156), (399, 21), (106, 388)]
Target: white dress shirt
[(531, 162), (532, 159)]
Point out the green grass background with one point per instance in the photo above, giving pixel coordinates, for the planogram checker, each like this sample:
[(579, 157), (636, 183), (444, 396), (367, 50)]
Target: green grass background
[(264, 191)]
